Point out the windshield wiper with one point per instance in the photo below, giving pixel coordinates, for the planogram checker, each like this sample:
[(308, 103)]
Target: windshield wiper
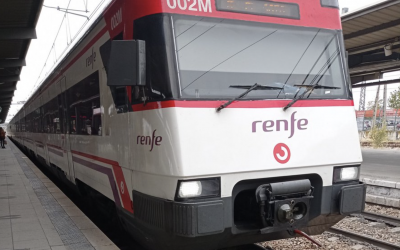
[(310, 89), (259, 87), (249, 89)]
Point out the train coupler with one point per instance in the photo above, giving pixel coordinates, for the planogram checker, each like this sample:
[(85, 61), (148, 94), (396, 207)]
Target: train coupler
[(284, 205)]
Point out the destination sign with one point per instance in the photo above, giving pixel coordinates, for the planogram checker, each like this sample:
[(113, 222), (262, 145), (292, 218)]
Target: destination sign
[(257, 7)]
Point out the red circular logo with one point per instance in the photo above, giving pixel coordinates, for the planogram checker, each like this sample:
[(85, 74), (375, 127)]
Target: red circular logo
[(282, 153)]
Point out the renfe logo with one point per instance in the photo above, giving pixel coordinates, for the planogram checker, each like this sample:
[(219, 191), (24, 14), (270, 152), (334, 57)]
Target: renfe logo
[(149, 140), (278, 125), (282, 153), (90, 60)]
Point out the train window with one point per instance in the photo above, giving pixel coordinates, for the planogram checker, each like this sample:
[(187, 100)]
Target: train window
[(23, 125), (51, 118), (152, 29), (120, 98), (262, 53), (118, 93), (27, 122), (37, 121), (62, 112), (84, 106)]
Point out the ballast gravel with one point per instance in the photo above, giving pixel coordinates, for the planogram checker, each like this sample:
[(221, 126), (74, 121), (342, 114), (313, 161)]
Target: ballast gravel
[(394, 212), (375, 230), (331, 241)]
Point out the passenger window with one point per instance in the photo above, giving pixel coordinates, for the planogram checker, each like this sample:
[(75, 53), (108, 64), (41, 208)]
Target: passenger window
[(37, 121), (84, 106), (51, 118)]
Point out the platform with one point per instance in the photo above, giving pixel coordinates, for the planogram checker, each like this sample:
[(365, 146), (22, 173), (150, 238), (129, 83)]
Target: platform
[(36, 214), (381, 164)]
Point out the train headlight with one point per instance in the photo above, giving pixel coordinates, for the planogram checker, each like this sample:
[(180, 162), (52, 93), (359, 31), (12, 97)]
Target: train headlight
[(190, 189), (200, 188), (350, 173)]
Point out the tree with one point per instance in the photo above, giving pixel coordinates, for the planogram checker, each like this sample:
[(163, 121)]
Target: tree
[(371, 105), (394, 103)]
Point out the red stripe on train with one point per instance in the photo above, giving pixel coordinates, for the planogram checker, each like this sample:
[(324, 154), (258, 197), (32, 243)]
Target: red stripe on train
[(119, 176), (242, 104)]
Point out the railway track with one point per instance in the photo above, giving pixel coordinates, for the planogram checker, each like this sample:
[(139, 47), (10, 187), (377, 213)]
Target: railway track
[(392, 221), (363, 238)]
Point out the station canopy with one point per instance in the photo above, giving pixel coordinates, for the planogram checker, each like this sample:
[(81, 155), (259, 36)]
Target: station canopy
[(18, 19), (372, 40)]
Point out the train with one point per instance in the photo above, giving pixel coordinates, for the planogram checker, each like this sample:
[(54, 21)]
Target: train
[(205, 124)]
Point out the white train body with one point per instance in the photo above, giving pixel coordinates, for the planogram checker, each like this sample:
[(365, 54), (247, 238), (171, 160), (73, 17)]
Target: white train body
[(137, 157)]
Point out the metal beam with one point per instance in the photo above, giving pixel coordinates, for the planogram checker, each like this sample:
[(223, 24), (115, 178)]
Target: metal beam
[(375, 45), (14, 78), (17, 33), (8, 88), (362, 99), (372, 29), (370, 9), (360, 51), (356, 60), (375, 83), (8, 63), (6, 100), (374, 68), (9, 95)]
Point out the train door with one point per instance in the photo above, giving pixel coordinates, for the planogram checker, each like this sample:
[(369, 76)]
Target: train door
[(65, 135)]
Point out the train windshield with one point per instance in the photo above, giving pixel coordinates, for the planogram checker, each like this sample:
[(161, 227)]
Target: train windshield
[(215, 54)]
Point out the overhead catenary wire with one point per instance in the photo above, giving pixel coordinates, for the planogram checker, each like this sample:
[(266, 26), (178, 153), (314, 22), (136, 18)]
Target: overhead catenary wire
[(85, 2), (58, 31), (63, 9), (68, 26), (65, 18)]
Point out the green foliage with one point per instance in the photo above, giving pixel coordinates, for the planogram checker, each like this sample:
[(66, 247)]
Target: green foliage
[(371, 105), (394, 100), (378, 136)]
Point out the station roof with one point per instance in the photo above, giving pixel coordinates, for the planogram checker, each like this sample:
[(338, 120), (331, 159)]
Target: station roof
[(366, 33), (18, 19)]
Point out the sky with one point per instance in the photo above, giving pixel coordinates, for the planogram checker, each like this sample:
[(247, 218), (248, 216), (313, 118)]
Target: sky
[(45, 51)]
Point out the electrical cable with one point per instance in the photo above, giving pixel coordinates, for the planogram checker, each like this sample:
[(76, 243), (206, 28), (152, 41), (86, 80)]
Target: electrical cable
[(59, 28), (71, 38)]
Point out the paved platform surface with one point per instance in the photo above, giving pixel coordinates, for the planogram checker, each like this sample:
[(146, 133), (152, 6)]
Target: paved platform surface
[(35, 214), (381, 164)]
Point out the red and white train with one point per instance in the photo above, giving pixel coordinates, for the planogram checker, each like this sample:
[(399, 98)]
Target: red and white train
[(206, 123)]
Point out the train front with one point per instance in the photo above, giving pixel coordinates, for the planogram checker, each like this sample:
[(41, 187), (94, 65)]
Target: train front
[(252, 133)]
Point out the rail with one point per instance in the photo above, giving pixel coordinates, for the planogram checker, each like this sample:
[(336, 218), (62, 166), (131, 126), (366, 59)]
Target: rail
[(365, 238), (393, 221)]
